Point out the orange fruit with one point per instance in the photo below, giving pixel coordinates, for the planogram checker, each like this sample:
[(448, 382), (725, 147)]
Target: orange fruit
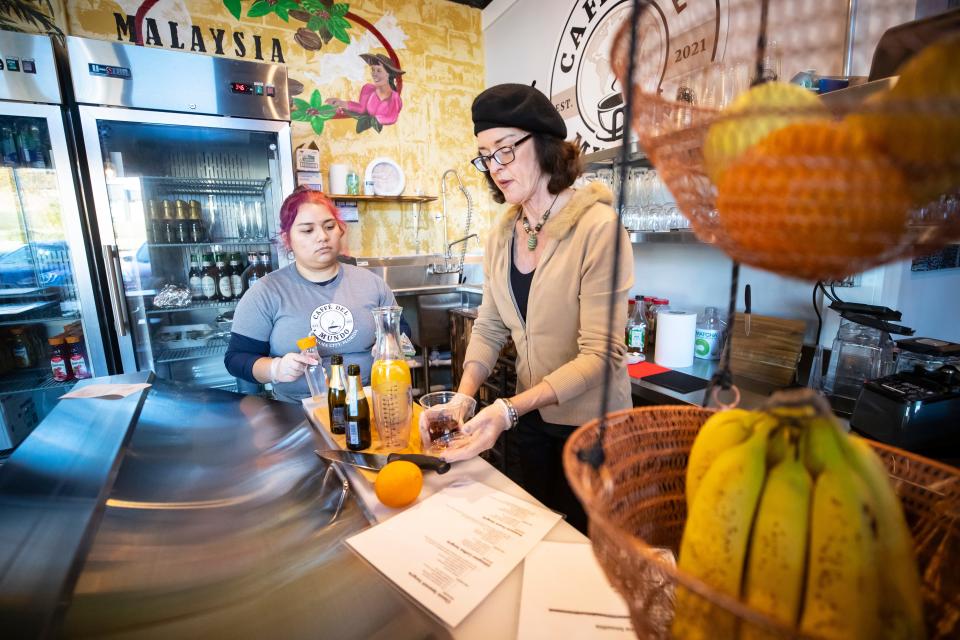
[(813, 200), (918, 121), (751, 116), (398, 483)]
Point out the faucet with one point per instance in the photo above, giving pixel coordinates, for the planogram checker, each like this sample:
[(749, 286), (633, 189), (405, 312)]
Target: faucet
[(448, 266), (456, 242)]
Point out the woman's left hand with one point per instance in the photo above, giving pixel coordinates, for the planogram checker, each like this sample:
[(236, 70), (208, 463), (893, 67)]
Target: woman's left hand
[(482, 431)]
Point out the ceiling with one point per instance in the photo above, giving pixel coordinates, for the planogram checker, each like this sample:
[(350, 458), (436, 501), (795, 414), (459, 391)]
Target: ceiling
[(479, 4)]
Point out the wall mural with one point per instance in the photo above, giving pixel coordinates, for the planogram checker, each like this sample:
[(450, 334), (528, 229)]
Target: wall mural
[(32, 16), (403, 74)]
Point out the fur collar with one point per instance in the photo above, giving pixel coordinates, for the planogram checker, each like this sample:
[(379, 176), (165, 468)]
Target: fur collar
[(561, 222)]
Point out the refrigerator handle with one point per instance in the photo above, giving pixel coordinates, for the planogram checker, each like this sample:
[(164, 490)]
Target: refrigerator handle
[(115, 287)]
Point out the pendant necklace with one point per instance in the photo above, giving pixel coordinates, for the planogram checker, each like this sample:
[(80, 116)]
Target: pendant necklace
[(532, 233)]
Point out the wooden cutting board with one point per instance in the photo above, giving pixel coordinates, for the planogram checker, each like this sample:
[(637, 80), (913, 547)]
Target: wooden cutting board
[(771, 352)]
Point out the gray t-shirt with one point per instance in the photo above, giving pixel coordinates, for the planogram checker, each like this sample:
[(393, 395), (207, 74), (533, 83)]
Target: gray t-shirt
[(283, 307)]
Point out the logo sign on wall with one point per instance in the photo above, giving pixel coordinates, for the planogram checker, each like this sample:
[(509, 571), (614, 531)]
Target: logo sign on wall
[(674, 36)]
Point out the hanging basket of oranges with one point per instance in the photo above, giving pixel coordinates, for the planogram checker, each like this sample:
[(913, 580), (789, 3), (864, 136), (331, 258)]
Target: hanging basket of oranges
[(778, 177)]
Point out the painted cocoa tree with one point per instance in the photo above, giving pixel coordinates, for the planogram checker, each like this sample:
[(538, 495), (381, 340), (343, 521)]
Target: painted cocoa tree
[(379, 102)]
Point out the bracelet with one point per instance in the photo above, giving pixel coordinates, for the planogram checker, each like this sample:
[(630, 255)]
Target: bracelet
[(274, 365), (512, 416)]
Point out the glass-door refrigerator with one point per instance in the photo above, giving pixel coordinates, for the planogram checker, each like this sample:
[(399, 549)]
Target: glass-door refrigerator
[(188, 160), (49, 328)]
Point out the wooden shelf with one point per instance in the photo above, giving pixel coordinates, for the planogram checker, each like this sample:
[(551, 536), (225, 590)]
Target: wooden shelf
[(382, 198)]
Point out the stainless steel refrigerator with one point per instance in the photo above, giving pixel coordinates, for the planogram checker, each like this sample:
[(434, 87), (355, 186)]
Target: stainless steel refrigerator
[(48, 306), (186, 157)]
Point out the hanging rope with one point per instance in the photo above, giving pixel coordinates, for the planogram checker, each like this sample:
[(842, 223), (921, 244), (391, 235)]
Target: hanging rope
[(723, 377), (594, 455)]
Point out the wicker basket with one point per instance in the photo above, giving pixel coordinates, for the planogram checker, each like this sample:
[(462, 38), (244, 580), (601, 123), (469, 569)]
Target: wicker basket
[(637, 508), (868, 189)]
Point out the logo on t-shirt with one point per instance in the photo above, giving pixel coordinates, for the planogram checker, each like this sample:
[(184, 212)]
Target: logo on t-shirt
[(332, 323)]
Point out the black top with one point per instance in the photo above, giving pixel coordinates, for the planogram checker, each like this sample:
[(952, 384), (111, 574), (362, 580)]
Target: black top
[(520, 283)]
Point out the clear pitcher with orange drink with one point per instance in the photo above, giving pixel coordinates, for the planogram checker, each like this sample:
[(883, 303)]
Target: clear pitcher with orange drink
[(390, 381)]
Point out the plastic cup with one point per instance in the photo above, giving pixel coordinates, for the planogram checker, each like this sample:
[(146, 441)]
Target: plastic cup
[(444, 412)]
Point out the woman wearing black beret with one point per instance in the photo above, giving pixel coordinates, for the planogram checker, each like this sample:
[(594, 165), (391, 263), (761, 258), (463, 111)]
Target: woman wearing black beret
[(548, 274)]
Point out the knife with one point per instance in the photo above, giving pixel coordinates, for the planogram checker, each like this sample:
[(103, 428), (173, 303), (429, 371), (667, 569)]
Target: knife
[(375, 462), (747, 310)]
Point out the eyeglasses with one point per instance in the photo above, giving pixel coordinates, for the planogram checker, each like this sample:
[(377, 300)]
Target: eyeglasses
[(503, 155)]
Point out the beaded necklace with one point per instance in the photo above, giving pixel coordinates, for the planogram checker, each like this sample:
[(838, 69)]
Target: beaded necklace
[(532, 233)]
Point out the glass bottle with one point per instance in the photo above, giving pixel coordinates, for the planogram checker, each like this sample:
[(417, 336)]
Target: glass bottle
[(208, 280), (236, 275), (78, 358), (252, 271), (709, 336), (195, 279), (337, 396), (316, 379), (224, 285), (197, 232), (390, 381), (22, 357), (168, 223), (637, 329), (264, 263), (182, 225), (358, 412), (58, 363)]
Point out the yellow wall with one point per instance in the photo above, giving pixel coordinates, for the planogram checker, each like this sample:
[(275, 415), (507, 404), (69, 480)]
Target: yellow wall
[(443, 59)]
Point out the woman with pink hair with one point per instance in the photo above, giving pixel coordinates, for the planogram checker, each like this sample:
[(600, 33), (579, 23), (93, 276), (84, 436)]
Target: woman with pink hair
[(317, 294)]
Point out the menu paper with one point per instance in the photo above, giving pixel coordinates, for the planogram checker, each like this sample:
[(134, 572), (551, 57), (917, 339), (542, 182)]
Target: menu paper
[(106, 391), (566, 595), (451, 550)]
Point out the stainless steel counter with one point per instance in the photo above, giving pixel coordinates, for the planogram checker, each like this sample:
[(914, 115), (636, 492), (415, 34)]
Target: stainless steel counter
[(223, 523)]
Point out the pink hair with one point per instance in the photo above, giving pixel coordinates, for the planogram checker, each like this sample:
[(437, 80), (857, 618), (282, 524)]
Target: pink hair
[(291, 207)]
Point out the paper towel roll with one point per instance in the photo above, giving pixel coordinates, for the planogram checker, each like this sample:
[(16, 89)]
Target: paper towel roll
[(338, 178), (676, 334)]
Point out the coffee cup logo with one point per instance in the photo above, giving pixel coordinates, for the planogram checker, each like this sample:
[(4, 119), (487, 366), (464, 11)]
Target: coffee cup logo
[(583, 86)]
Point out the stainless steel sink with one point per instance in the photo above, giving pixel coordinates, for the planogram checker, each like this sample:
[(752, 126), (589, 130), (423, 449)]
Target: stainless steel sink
[(405, 274)]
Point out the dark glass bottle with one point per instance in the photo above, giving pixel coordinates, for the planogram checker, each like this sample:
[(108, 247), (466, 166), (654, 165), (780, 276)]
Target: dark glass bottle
[(252, 271), (197, 232), (168, 224), (358, 412), (209, 278), (236, 275), (195, 279), (264, 267), (224, 286), (337, 396), (183, 224)]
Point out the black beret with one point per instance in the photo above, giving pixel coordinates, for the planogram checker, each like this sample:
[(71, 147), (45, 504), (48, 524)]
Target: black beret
[(517, 105)]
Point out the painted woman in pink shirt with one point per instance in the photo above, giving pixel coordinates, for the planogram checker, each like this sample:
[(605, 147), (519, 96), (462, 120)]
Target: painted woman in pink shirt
[(379, 99)]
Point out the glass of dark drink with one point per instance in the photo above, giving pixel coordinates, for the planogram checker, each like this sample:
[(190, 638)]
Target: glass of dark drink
[(443, 414)]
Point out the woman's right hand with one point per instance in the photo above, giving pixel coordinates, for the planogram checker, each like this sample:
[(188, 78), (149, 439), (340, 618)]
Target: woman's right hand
[(290, 367)]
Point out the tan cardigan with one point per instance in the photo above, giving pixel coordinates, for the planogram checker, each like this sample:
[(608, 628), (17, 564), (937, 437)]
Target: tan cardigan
[(565, 338)]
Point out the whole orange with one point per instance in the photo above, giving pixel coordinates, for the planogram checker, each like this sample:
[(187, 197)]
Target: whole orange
[(813, 200), (398, 483)]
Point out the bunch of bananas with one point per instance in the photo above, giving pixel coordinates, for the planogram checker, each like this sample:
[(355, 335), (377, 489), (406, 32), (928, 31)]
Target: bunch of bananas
[(798, 520)]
